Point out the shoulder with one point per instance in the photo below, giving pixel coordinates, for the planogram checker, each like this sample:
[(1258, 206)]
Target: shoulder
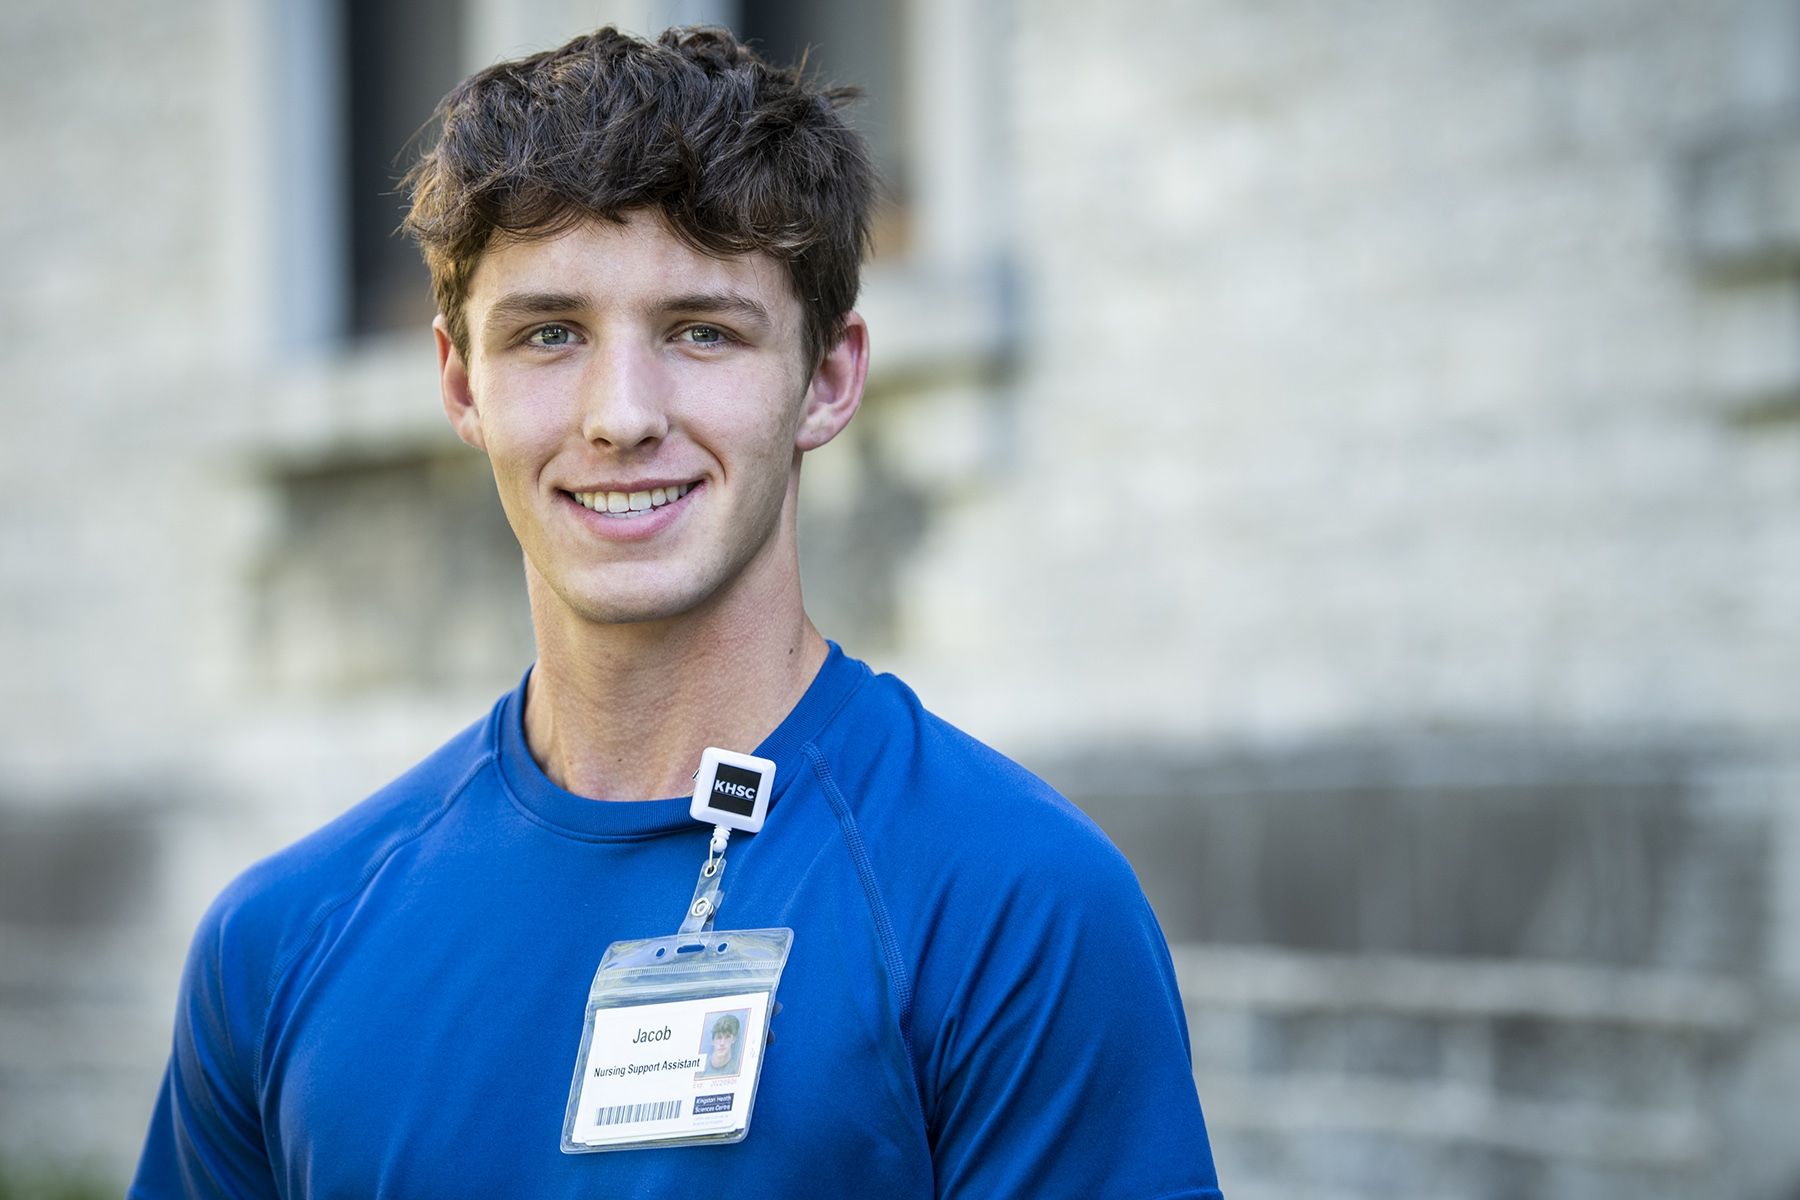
[(928, 797), (1014, 929), (261, 917)]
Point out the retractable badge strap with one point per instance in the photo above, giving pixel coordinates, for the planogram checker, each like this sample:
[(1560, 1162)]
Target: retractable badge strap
[(731, 791), (704, 907), (676, 1028)]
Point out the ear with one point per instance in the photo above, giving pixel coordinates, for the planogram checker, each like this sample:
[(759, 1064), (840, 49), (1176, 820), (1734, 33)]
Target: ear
[(837, 387), (453, 382)]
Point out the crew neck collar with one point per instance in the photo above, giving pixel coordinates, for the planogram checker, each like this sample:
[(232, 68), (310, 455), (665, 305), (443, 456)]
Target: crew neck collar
[(578, 816)]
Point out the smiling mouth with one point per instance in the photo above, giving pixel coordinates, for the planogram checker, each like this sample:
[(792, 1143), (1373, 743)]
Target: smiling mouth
[(632, 504)]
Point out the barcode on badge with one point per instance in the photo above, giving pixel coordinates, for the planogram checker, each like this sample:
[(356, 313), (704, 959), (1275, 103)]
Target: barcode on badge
[(654, 1110)]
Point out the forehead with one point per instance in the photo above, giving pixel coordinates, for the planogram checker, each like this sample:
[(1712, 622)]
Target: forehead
[(635, 263)]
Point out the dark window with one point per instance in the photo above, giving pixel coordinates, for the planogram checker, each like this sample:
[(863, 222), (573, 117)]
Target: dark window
[(402, 56)]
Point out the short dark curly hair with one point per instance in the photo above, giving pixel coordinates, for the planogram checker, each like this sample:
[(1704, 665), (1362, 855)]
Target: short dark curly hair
[(739, 157)]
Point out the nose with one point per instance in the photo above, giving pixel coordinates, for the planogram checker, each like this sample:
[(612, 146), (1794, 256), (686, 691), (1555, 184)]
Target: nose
[(624, 398)]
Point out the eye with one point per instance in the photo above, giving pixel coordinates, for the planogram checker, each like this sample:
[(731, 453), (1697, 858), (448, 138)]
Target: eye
[(704, 335), (551, 335)]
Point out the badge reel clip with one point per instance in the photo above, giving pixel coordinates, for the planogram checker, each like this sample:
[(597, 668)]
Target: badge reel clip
[(677, 1026), (731, 791)]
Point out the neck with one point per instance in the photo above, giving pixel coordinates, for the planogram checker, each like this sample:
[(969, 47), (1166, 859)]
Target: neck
[(621, 712)]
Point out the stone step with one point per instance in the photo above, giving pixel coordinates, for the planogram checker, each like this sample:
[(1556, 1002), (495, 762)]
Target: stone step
[(1295, 1106), (1408, 1073), (1274, 978)]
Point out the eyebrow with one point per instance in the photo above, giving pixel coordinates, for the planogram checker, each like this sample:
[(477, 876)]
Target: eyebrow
[(532, 304), (723, 303)]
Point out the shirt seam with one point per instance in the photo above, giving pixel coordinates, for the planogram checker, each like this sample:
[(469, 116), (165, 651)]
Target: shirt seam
[(278, 974), (899, 979), (497, 733), (581, 835)]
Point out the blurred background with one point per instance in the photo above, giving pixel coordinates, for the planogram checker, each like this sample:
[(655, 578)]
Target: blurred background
[(1353, 450)]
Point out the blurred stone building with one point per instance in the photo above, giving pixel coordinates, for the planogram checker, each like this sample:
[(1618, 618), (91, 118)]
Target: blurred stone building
[(1353, 450)]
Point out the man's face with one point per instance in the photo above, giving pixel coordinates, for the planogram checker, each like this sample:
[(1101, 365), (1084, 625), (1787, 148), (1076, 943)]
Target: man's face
[(644, 407), (722, 1046)]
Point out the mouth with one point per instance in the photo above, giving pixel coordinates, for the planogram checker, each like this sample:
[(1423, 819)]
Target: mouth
[(626, 505)]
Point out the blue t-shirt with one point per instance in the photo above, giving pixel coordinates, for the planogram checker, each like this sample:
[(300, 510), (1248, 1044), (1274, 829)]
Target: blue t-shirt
[(979, 1001)]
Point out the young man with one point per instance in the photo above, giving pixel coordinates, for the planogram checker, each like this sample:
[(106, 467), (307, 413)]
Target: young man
[(722, 1052), (645, 257)]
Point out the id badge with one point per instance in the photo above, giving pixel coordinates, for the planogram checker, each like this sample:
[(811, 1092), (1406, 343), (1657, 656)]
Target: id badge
[(673, 1044)]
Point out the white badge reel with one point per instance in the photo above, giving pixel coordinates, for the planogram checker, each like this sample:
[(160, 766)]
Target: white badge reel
[(732, 789), (672, 1048)]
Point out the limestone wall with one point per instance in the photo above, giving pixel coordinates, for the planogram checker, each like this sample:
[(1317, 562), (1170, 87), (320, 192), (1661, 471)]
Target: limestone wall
[(1356, 455)]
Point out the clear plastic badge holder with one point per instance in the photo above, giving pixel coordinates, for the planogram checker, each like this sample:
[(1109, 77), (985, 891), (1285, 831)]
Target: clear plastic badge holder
[(676, 1027), (665, 1089)]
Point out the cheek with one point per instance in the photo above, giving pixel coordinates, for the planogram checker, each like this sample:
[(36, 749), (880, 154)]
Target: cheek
[(752, 455), (518, 423), (768, 433), (761, 407)]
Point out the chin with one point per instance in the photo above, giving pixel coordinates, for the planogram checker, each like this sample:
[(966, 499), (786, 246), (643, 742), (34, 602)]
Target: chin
[(622, 610), (629, 593), (615, 602)]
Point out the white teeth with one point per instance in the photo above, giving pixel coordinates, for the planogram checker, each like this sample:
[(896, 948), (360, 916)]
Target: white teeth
[(632, 502)]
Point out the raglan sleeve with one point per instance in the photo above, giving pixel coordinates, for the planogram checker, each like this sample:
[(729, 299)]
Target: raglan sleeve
[(1056, 1054), (206, 1137)]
